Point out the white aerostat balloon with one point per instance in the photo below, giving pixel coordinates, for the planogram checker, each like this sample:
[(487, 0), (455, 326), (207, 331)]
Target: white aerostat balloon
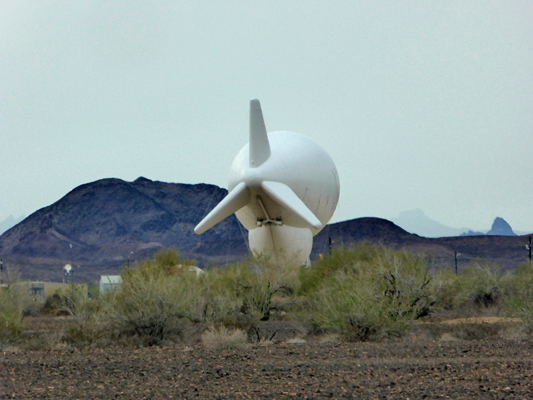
[(283, 187)]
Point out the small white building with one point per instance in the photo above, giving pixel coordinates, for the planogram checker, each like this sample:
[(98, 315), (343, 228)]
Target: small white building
[(109, 283)]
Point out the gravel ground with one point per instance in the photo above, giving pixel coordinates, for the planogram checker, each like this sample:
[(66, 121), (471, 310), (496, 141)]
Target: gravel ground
[(494, 369)]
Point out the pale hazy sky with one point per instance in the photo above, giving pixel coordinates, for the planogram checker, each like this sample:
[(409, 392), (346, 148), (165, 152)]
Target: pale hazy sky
[(421, 104)]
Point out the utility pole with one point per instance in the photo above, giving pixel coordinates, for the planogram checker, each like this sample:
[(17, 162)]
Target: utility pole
[(529, 247), (2, 267), (131, 252), (456, 254), (71, 257)]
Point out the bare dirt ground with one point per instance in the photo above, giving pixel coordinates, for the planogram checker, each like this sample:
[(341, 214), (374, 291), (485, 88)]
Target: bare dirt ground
[(392, 370), (414, 368)]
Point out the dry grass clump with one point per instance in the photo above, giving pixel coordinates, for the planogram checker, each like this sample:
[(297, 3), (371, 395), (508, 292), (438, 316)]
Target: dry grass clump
[(221, 338)]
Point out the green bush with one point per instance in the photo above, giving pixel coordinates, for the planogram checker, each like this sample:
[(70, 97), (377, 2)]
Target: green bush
[(519, 299), (11, 324), (340, 260), (166, 262), (155, 301), (446, 290), (367, 292), (481, 289), (246, 291), (88, 324), (481, 284), (13, 301)]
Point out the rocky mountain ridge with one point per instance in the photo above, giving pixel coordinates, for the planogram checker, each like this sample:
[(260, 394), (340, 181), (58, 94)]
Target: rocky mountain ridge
[(500, 227), (110, 220), (417, 222), (9, 222), (100, 226)]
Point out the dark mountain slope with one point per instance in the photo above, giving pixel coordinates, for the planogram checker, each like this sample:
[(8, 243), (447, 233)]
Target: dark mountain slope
[(107, 220), (110, 221), (505, 251)]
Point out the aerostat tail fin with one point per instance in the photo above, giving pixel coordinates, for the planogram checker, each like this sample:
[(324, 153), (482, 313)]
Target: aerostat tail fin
[(259, 146), (234, 201), (284, 196)]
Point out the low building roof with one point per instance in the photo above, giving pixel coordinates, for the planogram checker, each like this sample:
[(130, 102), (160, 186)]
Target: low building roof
[(110, 279)]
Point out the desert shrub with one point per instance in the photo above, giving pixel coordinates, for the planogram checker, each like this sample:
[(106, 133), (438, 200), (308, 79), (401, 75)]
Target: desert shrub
[(70, 302), (88, 316), (242, 295), (53, 305), (260, 282), (154, 310), (166, 262), (11, 317), (254, 284), (11, 276), (93, 289), (354, 310), (221, 338), (480, 284), (217, 289), (14, 300), (519, 298), (341, 259), (33, 308), (367, 292), (446, 289), (155, 302), (480, 289)]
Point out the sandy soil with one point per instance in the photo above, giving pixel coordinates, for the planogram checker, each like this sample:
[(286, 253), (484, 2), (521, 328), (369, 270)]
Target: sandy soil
[(495, 369)]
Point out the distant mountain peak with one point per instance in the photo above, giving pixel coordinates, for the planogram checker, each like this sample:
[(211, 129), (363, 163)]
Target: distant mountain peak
[(500, 227), (415, 221), (9, 222), (141, 179)]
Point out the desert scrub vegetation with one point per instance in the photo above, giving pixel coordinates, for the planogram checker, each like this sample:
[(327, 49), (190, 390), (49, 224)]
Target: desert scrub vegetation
[(157, 302), (361, 293), (13, 303), (481, 284), (160, 301), (366, 292), (15, 300), (254, 284), (519, 295), (222, 338), (87, 316), (481, 289)]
